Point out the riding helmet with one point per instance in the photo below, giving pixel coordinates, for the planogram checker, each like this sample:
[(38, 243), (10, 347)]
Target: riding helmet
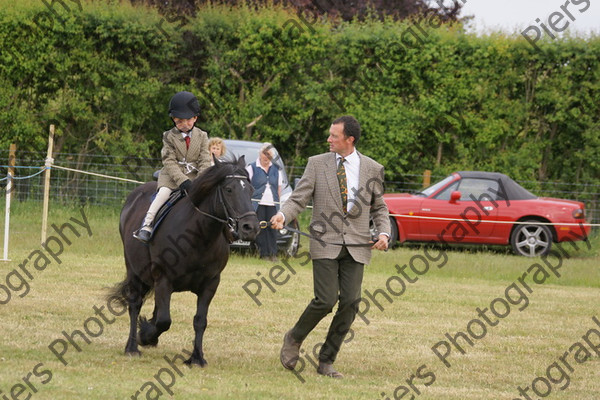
[(184, 105)]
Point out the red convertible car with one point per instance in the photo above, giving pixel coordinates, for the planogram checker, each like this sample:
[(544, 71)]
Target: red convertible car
[(485, 207)]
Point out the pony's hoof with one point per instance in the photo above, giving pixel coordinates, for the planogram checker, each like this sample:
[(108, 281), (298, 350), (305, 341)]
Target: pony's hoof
[(135, 353), (201, 362), (146, 334)]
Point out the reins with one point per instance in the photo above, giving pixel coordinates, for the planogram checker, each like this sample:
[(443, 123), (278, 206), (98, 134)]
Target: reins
[(264, 224)]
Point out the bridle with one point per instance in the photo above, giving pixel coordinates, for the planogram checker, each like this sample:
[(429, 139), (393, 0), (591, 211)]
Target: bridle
[(232, 222)]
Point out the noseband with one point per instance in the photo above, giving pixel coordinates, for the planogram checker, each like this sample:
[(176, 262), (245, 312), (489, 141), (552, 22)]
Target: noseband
[(232, 222)]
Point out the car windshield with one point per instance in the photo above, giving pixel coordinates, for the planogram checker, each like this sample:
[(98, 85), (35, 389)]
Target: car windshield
[(436, 186)]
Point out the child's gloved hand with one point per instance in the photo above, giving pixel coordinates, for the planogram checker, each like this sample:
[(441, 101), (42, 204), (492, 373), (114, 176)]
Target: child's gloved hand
[(185, 185)]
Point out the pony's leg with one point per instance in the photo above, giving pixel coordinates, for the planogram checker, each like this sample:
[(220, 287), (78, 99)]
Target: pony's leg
[(148, 328), (135, 298), (205, 296), (154, 312), (161, 317)]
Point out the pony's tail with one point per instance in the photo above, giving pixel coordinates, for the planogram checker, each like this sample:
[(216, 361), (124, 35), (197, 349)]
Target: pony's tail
[(119, 293)]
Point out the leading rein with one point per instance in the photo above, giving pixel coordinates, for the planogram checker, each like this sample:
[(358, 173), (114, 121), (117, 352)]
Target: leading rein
[(265, 224), (232, 223)]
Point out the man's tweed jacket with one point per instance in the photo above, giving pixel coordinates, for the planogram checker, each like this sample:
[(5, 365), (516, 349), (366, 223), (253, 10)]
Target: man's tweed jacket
[(174, 174), (329, 223)]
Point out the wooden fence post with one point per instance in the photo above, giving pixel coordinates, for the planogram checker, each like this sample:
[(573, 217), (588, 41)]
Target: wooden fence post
[(10, 185), (426, 178), (48, 164)]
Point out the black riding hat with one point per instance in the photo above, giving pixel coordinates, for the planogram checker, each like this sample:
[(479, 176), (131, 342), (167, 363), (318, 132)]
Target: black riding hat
[(184, 105)]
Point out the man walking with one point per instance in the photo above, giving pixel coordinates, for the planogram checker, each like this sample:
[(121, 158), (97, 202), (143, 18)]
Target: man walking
[(346, 189)]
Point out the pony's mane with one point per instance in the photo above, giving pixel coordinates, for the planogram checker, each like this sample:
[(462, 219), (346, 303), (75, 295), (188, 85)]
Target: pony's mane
[(204, 184)]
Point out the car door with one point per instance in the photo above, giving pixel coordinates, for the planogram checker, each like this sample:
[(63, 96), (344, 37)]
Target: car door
[(461, 219)]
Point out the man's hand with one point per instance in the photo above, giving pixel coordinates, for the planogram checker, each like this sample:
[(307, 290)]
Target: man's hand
[(382, 242), (277, 221)]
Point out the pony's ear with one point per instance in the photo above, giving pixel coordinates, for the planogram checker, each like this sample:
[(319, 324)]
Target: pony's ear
[(242, 161), (215, 159)]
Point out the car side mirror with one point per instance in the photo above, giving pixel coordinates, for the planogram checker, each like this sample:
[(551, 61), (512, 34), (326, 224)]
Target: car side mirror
[(455, 196)]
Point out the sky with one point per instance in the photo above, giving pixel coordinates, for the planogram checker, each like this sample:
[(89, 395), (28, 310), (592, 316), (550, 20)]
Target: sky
[(517, 15)]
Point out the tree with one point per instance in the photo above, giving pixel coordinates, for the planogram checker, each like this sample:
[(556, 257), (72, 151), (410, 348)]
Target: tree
[(342, 9)]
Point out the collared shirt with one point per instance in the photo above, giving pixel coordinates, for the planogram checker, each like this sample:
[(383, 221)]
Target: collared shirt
[(352, 166), (186, 134)]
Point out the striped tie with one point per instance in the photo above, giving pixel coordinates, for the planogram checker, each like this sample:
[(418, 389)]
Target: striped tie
[(187, 141), (341, 175)]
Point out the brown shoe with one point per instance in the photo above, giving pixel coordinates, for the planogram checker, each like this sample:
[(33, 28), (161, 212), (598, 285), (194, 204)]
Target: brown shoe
[(327, 370), (290, 351)]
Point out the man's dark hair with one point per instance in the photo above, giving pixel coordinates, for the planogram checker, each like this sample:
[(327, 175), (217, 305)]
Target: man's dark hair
[(351, 127)]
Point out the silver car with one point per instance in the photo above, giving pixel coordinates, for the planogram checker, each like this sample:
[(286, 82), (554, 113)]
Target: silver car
[(287, 241)]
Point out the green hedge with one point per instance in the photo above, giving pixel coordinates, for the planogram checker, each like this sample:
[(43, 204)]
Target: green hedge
[(428, 97)]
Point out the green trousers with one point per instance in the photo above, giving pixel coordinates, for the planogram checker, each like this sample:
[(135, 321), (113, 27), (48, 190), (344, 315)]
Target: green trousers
[(334, 279)]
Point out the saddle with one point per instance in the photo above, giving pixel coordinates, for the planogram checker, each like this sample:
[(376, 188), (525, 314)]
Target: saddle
[(175, 196)]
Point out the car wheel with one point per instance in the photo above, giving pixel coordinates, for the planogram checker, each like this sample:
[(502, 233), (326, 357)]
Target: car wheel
[(394, 234), (530, 239)]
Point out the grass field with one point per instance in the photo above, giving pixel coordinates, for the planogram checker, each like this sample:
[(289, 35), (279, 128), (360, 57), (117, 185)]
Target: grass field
[(390, 357)]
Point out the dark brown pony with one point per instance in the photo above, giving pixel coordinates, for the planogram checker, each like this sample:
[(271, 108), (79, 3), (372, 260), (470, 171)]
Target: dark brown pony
[(188, 251)]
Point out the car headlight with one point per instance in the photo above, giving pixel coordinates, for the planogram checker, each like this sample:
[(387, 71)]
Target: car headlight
[(578, 213)]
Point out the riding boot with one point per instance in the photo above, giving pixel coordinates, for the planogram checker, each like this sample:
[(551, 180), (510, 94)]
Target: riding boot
[(144, 234)]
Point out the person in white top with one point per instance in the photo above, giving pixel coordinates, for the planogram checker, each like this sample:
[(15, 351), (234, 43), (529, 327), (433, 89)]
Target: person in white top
[(267, 182), (346, 190)]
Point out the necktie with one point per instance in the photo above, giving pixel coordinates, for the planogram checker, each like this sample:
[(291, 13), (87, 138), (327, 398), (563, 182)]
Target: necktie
[(187, 141), (341, 175)]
